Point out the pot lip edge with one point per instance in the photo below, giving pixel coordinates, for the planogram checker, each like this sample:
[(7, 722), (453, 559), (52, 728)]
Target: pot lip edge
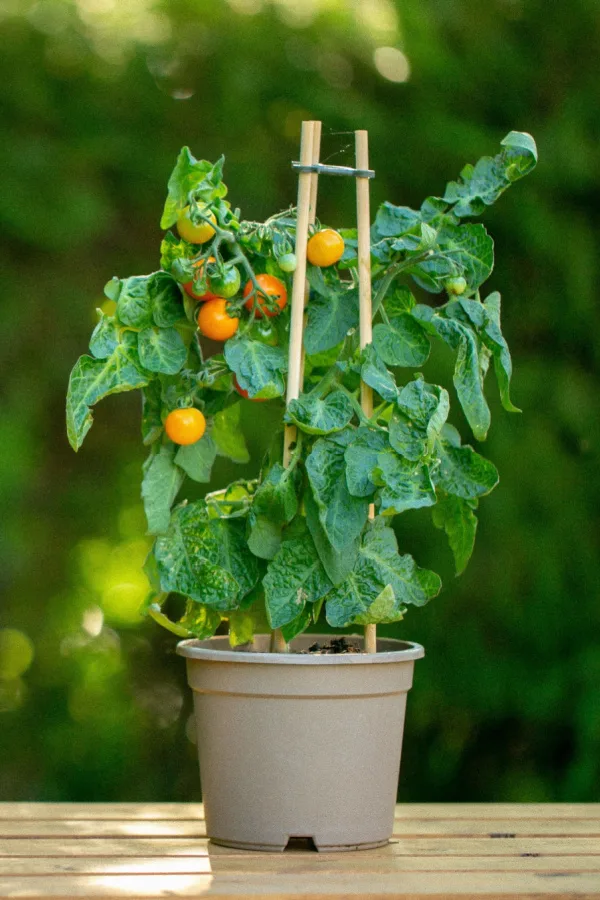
[(411, 651)]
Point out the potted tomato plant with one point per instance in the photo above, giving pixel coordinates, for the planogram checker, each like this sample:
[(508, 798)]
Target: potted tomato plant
[(305, 741)]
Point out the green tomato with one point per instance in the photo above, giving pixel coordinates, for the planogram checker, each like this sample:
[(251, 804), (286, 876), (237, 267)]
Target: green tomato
[(225, 282), (456, 285), (287, 262)]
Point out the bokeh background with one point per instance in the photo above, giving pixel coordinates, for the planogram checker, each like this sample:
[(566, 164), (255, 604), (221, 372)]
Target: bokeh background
[(97, 97)]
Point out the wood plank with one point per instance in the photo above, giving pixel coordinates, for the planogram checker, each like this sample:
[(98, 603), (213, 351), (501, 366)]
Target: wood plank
[(291, 862), (467, 885), (406, 828), (93, 811), (152, 847)]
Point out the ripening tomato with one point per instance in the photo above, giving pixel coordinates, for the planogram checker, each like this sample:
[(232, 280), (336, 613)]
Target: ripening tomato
[(273, 288), (457, 285), (214, 322), (325, 248), (287, 262), (189, 285), (196, 234), (225, 282), (185, 426), (244, 393)]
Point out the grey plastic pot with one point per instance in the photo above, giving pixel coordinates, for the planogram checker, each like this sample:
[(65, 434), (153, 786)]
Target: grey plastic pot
[(298, 745)]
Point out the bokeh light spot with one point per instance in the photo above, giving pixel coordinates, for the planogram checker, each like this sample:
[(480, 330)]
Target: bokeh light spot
[(392, 64), (16, 653)]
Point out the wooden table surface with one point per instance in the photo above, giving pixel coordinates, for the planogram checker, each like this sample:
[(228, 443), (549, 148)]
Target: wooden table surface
[(160, 850)]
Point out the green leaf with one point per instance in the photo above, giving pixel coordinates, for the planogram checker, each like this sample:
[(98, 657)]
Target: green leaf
[(321, 415), (337, 563), (166, 299), (173, 249), (494, 340), (374, 373), (401, 343), (199, 621), (244, 623), (341, 515), (421, 412), (398, 300), (204, 558), (152, 426), (465, 473), (393, 221), (383, 610), (481, 185), (134, 306), (93, 379), (361, 458), (191, 174), (468, 382), (461, 250), (105, 336), (403, 484), (330, 315), (458, 520), (275, 504), (197, 459), (299, 624), (161, 350), (227, 434), (155, 612), (378, 565), (258, 367), (160, 485), (294, 577)]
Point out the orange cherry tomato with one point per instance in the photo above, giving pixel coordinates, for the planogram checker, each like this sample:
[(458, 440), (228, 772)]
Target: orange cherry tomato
[(273, 288), (325, 248), (189, 285), (244, 393), (214, 322), (185, 426), (196, 234)]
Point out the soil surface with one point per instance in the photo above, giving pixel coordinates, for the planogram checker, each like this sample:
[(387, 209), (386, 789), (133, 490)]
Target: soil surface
[(335, 645)]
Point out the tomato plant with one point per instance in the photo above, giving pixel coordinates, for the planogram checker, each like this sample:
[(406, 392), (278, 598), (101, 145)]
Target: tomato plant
[(188, 286), (299, 541)]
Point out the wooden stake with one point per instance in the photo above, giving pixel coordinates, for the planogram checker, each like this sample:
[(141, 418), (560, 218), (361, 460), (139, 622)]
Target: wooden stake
[(363, 216), (312, 214), (306, 192)]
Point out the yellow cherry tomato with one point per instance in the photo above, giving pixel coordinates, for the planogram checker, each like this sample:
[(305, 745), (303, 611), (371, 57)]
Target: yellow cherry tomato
[(214, 322), (325, 248), (195, 234), (185, 426)]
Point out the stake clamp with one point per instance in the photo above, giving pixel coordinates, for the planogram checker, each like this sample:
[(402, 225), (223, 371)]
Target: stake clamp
[(322, 169)]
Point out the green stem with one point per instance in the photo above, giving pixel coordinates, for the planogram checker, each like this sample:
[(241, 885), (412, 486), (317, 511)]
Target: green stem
[(295, 457), (392, 273), (326, 381)]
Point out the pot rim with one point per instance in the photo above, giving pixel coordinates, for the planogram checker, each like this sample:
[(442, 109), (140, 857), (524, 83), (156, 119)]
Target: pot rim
[(208, 650)]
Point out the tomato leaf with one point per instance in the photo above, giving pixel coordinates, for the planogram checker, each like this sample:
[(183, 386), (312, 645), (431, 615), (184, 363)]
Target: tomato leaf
[(480, 185), (321, 415), (341, 515), (205, 558), (191, 174), (249, 620), (258, 367), (146, 299), (197, 459), (494, 340), (455, 515), (420, 415), (160, 485), (332, 312), (374, 373), (294, 577), (337, 563), (401, 343), (403, 484), (152, 426), (166, 299), (199, 621), (464, 473), (378, 566), (92, 379), (105, 336), (275, 504), (161, 350), (228, 436), (361, 458)]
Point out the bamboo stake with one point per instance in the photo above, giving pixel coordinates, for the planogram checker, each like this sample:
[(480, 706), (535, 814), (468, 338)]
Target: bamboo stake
[(363, 216), (312, 214), (306, 191)]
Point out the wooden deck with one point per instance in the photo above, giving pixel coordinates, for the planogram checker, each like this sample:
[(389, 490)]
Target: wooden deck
[(160, 850)]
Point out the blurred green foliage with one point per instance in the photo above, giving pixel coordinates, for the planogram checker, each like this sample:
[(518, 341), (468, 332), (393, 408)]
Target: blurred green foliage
[(97, 97)]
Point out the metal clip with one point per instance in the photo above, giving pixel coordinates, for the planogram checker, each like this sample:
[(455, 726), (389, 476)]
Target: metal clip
[(322, 169)]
